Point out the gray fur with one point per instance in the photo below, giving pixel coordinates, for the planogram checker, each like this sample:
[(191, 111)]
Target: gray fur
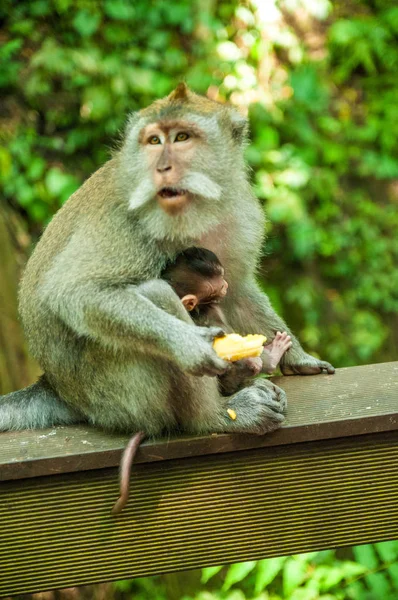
[(35, 407), (113, 341)]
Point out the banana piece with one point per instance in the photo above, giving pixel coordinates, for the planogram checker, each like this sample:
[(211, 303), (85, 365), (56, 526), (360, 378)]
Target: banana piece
[(233, 346)]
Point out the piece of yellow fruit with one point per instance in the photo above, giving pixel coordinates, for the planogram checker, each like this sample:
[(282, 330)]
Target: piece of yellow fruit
[(233, 346), (231, 413)]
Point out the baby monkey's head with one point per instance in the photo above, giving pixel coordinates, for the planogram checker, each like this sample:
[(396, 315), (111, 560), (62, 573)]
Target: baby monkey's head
[(197, 277)]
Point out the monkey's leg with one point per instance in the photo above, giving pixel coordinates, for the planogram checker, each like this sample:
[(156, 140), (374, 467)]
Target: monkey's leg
[(259, 409), (35, 407), (249, 311)]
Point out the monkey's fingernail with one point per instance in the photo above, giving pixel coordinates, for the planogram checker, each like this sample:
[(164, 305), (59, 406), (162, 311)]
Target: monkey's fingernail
[(231, 413)]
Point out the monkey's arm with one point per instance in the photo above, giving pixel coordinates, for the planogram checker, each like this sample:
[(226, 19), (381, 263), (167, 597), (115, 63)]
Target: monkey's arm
[(124, 316), (249, 311)]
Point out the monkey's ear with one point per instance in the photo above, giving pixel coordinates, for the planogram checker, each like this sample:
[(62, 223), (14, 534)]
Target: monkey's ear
[(240, 126), (190, 301), (180, 93)]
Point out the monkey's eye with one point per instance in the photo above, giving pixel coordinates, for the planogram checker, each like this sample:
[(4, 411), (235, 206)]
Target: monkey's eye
[(181, 137), (154, 140)]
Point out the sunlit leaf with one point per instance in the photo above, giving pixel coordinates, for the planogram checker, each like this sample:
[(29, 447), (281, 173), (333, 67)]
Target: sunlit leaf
[(209, 572), (237, 573), (294, 573), (86, 23), (266, 572), (119, 9)]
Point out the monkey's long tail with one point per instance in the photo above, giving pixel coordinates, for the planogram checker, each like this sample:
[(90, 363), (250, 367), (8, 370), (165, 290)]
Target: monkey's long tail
[(35, 407), (125, 471)]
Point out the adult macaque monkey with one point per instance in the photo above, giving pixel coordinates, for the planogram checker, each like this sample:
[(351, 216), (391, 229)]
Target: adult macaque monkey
[(116, 345)]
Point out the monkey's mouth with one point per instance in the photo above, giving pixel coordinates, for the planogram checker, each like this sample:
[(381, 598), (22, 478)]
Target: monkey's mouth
[(173, 200), (169, 192)]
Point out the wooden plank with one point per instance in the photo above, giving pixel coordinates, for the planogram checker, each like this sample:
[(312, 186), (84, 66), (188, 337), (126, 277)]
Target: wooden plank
[(57, 531), (354, 401)]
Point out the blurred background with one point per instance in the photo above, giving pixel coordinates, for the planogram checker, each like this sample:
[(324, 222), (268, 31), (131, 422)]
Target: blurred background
[(319, 83)]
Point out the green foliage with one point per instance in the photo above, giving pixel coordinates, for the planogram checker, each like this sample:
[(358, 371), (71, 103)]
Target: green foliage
[(325, 158), (366, 573), (70, 72), (321, 98), (324, 133)]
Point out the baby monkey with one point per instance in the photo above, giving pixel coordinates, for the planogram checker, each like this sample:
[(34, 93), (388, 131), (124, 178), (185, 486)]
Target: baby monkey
[(197, 277)]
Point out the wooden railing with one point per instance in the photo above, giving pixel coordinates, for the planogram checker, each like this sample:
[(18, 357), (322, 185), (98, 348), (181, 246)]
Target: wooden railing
[(328, 478)]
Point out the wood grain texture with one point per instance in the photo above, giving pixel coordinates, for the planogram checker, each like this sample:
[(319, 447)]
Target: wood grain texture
[(354, 401), (57, 531)]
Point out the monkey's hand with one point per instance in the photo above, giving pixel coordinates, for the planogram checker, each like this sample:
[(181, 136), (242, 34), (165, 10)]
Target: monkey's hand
[(238, 373), (258, 408), (297, 362), (195, 354)]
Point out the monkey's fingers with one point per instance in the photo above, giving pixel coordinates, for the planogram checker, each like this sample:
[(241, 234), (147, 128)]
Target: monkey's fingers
[(210, 333), (320, 366), (325, 366), (125, 471)]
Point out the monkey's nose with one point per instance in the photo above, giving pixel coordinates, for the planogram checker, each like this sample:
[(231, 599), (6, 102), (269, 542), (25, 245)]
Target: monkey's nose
[(162, 169)]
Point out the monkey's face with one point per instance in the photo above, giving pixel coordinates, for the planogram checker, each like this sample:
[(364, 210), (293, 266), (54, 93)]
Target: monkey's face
[(172, 150), (214, 289), (208, 291), (181, 165)]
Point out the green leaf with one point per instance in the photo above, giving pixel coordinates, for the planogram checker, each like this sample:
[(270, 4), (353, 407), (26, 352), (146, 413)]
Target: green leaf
[(285, 206), (392, 571), (352, 569), (294, 573), (39, 8), (209, 572), (266, 572), (86, 23), (38, 211), (119, 10), (308, 88), (97, 103), (304, 594), (379, 585), (7, 49), (36, 168), (387, 550), (357, 591), (25, 195), (237, 573), (60, 185), (123, 585)]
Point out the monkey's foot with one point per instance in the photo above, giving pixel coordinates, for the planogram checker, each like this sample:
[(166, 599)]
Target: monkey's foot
[(257, 408), (274, 351), (301, 363)]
